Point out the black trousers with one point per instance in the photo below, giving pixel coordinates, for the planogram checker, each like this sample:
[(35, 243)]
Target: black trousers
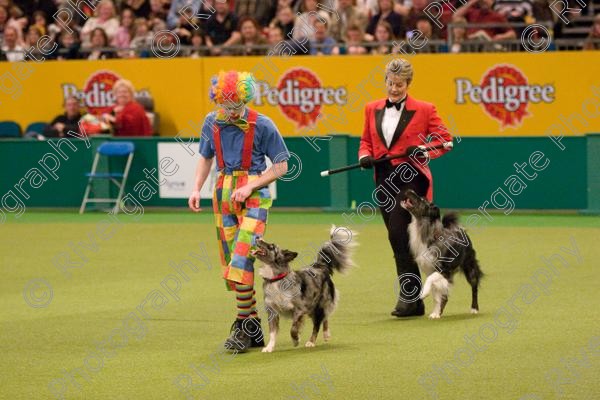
[(397, 219)]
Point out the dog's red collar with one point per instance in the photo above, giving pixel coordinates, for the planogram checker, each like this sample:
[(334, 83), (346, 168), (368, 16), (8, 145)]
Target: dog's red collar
[(277, 277)]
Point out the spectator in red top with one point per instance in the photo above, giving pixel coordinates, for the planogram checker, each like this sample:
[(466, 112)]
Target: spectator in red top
[(481, 12), (129, 117)]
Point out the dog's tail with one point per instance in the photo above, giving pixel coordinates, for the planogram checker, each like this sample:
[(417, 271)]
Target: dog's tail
[(336, 253), (450, 220)]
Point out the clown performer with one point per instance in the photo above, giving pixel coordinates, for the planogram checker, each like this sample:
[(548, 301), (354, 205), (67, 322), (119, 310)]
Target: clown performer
[(240, 138)]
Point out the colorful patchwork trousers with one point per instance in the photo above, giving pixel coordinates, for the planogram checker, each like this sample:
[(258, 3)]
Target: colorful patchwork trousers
[(238, 225)]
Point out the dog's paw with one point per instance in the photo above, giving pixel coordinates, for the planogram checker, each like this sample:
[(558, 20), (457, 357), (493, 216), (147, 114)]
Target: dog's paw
[(474, 311), (434, 315), (326, 336), (268, 349), (295, 342), (309, 344)]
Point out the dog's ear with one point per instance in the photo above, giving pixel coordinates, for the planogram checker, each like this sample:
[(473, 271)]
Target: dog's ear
[(289, 255), (434, 212)]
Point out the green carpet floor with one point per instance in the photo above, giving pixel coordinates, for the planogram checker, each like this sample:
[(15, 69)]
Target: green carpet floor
[(91, 308)]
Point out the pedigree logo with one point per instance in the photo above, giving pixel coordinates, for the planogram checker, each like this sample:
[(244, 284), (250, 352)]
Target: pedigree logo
[(97, 96), (300, 96), (504, 93)]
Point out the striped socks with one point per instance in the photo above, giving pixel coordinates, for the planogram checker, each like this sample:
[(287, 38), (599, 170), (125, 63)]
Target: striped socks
[(246, 302)]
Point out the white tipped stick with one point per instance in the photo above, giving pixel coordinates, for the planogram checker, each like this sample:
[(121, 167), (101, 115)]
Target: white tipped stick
[(324, 173)]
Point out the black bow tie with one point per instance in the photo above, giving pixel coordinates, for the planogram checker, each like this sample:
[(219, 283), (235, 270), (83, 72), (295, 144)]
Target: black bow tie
[(398, 104)]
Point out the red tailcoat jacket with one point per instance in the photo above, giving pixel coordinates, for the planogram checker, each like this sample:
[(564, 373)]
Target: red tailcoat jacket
[(419, 125)]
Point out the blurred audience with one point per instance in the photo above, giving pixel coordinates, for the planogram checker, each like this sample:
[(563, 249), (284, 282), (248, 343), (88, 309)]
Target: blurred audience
[(210, 27)]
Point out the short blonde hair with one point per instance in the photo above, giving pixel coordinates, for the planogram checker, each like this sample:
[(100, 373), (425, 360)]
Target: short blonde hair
[(105, 3), (126, 84), (401, 68)]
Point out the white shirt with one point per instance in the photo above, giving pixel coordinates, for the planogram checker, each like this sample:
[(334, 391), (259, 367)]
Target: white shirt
[(14, 55), (390, 120)]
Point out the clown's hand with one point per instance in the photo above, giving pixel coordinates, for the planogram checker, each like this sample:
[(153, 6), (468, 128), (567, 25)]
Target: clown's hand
[(241, 194)]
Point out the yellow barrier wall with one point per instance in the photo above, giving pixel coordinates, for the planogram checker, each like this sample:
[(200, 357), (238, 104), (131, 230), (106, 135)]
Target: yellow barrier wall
[(321, 95)]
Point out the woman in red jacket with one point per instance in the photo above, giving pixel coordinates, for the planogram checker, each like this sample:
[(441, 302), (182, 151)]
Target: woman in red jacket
[(395, 125), (129, 117)]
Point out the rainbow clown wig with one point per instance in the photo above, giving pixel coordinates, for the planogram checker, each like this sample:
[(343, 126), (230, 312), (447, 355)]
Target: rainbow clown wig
[(232, 89)]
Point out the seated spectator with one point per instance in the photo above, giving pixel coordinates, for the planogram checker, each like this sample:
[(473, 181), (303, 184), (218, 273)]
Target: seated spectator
[(68, 46), (593, 40), (480, 12), (186, 25), (284, 20), (198, 44), (68, 121), (140, 8), (3, 21), (368, 7), (61, 21), (384, 36), (304, 25), (458, 35), (274, 38), (348, 15), (128, 117), (16, 18), (418, 10), (354, 40), (542, 11), (323, 43), (41, 22), (105, 19), (181, 6), (250, 35), (520, 11), (31, 43), (164, 45), (426, 34), (142, 39), (221, 28), (386, 13), (124, 34), (263, 11), (426, 28), (10, 49), (98, 49), (158, 16)]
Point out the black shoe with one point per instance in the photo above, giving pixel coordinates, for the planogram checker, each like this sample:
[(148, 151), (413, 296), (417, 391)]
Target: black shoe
[(415, 309), (256, 336), (238, 340)]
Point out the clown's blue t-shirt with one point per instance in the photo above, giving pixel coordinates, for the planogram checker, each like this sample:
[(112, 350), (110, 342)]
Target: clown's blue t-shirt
[(267, 142)]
